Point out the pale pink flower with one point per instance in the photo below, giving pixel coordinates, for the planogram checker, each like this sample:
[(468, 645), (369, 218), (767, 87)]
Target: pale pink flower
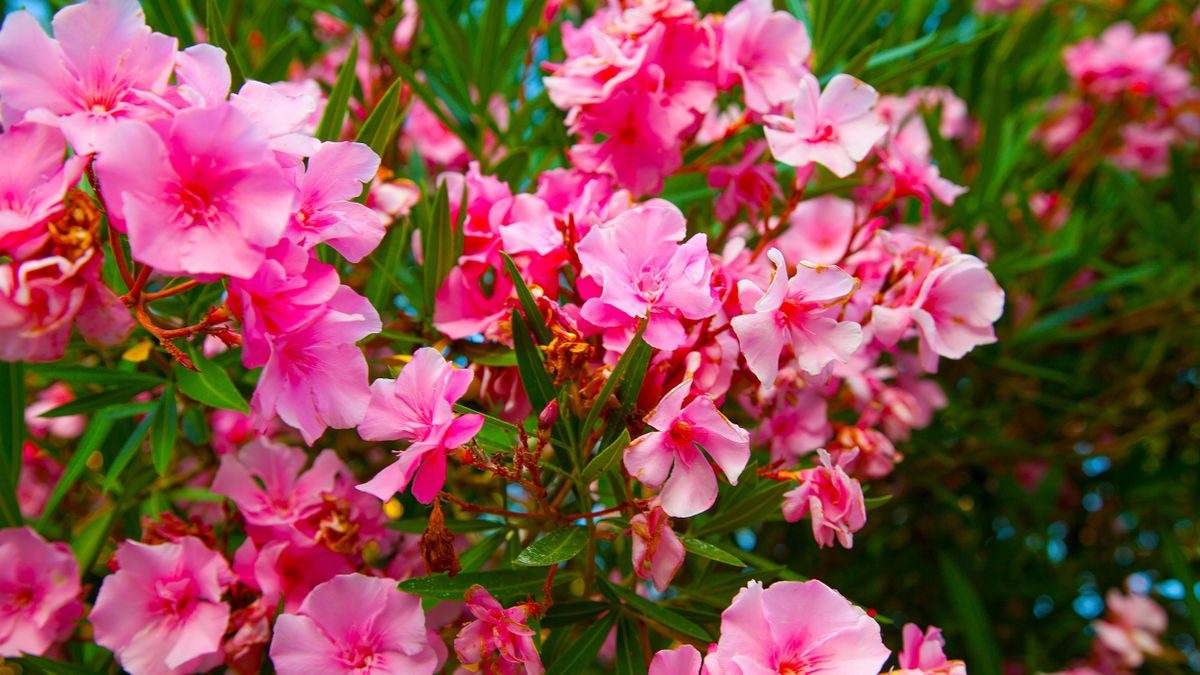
[(832, 498), (286, 571), (316, 376), (48, 399), (200, 196), (425, 134), (33, 181), (745, 184), (418, 406), (39, 474), (657, 551), (675, 449), (40, 299), (161, 611), (595, 75), (765, 50), (955, 308), (819, 230), (39, 592), (1130, 630), (283, 111), (797, 425), (646, 273), (232, 429), (795, 627), (325, 212), (923, 653), (102, 65), (1145, 149), (354, 624), (800, 312), (273, 492), (835, 128), (392, 200), (683, 660), (498, 640)]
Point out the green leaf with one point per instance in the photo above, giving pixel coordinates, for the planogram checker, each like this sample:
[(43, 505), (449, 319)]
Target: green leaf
[(90, 538), (711, 551), (418, 525), (496, 435), (558, 546), (39, 665), (12, 439), (873, 502), (538, 385), (1178, 564), (101, 399), (210, 384), (614, 378), (92, 437), (583, 650), (631, 659), (571, 613), (982, 650), (475, 557), (512, 168), (275, 64), (384, 121), (655, 611), (749, 504), (505, 585), (330, 126), (528, 304), (630, 388), (170, 17), (128, 450), (219, 36), (166, 424), (487, 47), (89, 375), (607, 458)]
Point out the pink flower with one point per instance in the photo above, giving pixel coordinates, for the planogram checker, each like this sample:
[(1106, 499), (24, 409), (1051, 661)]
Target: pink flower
[(335, 175), (161, 611), (102, 65), (418, 406), (594, 76), (436, 144), (1131, 629), (764, 50), (795, 627), (232, 429), (39, 592), (683, 660), (836, 130), (499, 630), (657, 551), (819, 231), (923, 653), (641, 140), (801, 312), (1145, 149), (798, 424), (354, 624), (283, 111), (675, 449), (39, 474), (266, 482), (316, 376), (202, 195), (955, 309), (745, 184), (33, 181), (645, 272), (832, 498), (40, 299), (48, 399), (1123, 61), (286, 570)]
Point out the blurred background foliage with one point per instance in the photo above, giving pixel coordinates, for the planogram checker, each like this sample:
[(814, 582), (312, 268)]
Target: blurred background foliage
[(1067, 461)]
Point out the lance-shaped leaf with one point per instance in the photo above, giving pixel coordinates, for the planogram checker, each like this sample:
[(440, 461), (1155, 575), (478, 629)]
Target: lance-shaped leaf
[(334, 116), (558, 546)]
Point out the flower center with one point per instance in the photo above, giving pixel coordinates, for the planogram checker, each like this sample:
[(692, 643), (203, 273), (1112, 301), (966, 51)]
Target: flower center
[(681, 433), (359, 657), (196, 205), (651, 282), (823, 133)]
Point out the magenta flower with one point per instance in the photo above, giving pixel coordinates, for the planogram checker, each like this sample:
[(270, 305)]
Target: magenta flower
[(766, 51), (202, 195), (657, 551), (675, 449), (418, 406), (33, 181), (955, 308), (795, 627), (923, 653), (640, 145), (102, 65), (39, 592), (354, 624), (267, 482), (161, 611), (832, 498), (645, 272), (316, 376), (745, 184), (498, 640), (800, 312), (835, 129), (335, 176), (286, 571)]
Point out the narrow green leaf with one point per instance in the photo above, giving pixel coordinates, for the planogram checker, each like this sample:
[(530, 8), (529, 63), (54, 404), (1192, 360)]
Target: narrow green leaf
[(40, 665), (573, 612), (12, 439), (558, 546), (512, 168), (487, 48), (475, 557), (631, 386), (749, 505), (655, 611), (630, 660), (982, 650), (418, 525), (218, 34), (275, 64), (607, 458), (89, 539), (166, 424), (614, 378), (528, 304), (384, 121), (210, 385), (1178, 564), (100, 399), (873, 502), (89, 375), (92, 437), (128, 450), (496, 434), (711, 551), (330, 126), (505, 585), (533, 373), (170, 17), (583, 650)]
